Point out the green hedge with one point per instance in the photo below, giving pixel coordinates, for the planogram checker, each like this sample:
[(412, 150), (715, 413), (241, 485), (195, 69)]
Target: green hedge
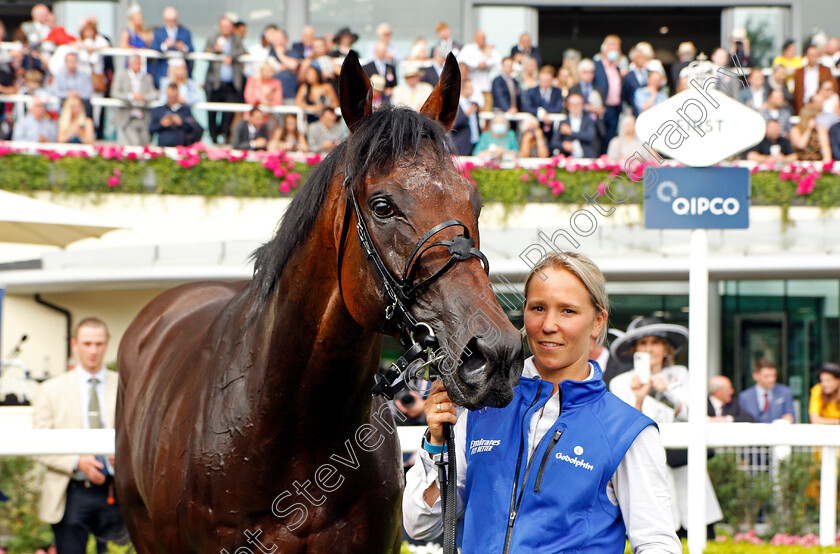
[(510, 187)]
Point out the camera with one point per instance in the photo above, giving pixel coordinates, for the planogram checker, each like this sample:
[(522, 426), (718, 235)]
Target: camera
[(406, 398)]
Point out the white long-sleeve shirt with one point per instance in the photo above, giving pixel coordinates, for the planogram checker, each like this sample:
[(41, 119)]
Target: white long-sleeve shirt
[(639, 486)]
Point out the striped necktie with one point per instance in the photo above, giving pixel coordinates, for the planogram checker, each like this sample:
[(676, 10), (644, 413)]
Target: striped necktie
[(94, 417)]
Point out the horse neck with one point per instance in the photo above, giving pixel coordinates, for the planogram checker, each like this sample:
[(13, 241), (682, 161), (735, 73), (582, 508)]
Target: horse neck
[(318, 360)]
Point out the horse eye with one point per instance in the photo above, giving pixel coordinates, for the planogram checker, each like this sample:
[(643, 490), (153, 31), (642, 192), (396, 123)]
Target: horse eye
[(382, 208)]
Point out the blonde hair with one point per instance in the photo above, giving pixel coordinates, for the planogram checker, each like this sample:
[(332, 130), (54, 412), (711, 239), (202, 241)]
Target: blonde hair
[(65, 119), (586, 271)]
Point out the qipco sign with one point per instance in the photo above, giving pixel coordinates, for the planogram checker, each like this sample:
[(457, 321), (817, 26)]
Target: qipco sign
[(696, 198)]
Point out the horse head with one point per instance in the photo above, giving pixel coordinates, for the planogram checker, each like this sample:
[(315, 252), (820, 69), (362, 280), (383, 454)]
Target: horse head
[(398, 167)]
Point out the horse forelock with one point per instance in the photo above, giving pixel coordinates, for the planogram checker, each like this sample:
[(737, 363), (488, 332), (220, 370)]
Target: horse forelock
[(388, 137)]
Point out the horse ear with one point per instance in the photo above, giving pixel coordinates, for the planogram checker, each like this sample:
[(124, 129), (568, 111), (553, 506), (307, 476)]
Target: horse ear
[(355, 92), (442, 104)]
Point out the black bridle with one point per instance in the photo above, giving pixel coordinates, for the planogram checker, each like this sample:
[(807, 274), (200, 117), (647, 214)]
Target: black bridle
[(420, 355), (417, 338)]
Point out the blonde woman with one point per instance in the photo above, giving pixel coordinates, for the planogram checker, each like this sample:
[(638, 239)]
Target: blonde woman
[(263, 89), (810, 140), (135, 35), (176, 73), (73, 125), (566, 466), (528, 77)]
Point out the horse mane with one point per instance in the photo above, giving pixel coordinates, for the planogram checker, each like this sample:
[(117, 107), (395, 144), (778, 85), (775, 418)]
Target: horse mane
[(391, 135)]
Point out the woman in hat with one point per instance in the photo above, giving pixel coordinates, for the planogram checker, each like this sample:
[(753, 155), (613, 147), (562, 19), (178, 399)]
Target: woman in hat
[(824, 406), (565, 466), (344, 40), (662, 394)]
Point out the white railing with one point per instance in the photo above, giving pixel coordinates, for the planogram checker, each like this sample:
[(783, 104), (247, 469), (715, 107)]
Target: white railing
[(28, 442)]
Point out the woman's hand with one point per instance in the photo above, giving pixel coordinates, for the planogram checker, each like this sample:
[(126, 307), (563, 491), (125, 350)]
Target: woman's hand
[(658, 382), (436, 418)]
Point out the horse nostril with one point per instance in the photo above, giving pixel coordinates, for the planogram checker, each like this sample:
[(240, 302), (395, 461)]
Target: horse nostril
[(472, 362)]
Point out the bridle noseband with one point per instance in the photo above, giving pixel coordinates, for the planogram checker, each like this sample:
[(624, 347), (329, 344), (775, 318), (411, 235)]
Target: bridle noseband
[(400, 293)]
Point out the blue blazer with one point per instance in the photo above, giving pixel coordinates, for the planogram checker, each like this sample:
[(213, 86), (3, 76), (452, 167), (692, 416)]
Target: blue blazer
[(601, 82), (532, 100), (586, 135), (628, 91), (158, 39), (781, 403), (501, 94), (460, 134)]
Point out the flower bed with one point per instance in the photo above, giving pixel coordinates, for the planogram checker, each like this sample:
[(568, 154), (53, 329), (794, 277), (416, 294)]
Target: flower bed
[(210, 171)]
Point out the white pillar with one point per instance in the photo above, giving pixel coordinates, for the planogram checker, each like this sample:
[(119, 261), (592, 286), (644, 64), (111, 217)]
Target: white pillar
[(828, 496), (698, 341), (297, 16)]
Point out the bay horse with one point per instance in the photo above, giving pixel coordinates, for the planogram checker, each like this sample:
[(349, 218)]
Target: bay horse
[(245, 421)]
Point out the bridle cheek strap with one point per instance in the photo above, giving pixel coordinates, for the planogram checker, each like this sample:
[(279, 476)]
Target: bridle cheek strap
[(400, 293)]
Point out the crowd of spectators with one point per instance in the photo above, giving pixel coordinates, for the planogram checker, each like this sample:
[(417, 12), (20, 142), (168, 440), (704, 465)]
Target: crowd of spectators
[(599, 95)]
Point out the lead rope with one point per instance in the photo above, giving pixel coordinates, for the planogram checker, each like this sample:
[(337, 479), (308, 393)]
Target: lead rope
[(449, 493)]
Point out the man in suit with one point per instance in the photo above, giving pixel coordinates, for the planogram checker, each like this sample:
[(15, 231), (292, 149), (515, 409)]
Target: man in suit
[(577, 136), (608, 82), (807, 79), (723, 406), (224, 81), (445, 41), (302, 49), (685, 54), (38, 29), (544, 98), (767, 401), (137, 88), (506, 93), (251, 134), (465, 130), (524, 49), (172, 37), (173, 122), (381, 66), (637, 77), (431, 74), (77, 496), (755, 95)]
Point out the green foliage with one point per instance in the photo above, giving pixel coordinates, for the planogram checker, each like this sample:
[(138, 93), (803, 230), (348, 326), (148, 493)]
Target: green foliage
[(19, 516), (509, 187), (795, 510), (741, 495)]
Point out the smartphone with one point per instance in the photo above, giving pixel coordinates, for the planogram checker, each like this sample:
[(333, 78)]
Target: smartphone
[(641, 365)]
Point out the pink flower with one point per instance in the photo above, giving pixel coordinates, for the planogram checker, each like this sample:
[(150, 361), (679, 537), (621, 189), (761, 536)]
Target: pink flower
[(285, 187), (117, 172), (785, 175), (602, 189), (754, 170), (550, 173), (279, 172), (524, 178), (313, 159), (827, 167), (132, 156), (113, 181), (543, 179)]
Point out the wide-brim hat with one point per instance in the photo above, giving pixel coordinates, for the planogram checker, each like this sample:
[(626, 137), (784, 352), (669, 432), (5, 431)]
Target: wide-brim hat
[(624, 346), (345, 31), (833, 369)]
